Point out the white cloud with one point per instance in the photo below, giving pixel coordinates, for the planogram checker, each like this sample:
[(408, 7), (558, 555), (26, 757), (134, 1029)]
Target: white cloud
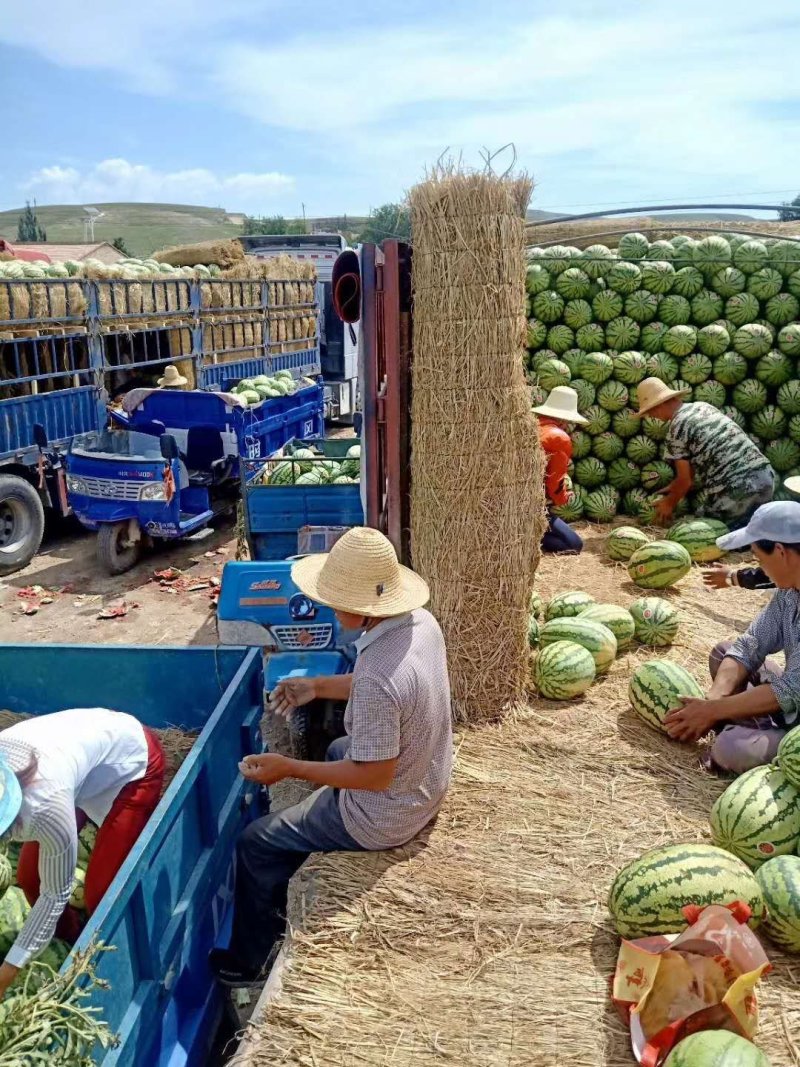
[(119, 180)]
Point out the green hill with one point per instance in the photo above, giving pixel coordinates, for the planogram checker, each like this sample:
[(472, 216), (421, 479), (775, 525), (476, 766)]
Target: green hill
[(144, 227)]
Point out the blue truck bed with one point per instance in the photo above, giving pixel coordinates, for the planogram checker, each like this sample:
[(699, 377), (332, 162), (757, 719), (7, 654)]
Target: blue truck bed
[(171, 901)]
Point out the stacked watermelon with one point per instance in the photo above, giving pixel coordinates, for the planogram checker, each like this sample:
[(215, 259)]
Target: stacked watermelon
[(717, 317)]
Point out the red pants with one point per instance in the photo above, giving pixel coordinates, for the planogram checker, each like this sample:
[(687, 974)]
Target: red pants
[(134, 805)]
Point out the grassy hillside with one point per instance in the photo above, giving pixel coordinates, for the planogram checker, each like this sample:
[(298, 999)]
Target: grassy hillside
[(144, 227)]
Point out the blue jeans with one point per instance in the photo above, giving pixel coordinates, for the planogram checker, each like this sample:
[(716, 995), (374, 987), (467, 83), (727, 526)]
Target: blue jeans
[(269, 851), (559, 537)]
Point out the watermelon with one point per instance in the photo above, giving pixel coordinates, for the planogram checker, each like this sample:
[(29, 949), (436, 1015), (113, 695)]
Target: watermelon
[(313, 477), (779, 879), (622, 333), (642, 306), (711, 253), (537, 333), (792, 283), (680, 340), (536, 606), (624, 541), (750, 396), (793, 428), (710, 392), (687, 282), (658, 276), (769, 423), (564, 670), (774, 368), (596, 367), (751, 256), (684, 251), (548, 306), (659, 564), (699, 538), (707, 306), (559, 258), (758, 816), (641, 449), (351, 465), (772, 330), (283, 473), (652, 338), (623, 474), (742, 308), (662, 365), (593, 636), (655, 429), (590, 338), (716, 1048), (560, 338), (624, 277), (788, 758), (656, 688), (648, 895), (601, 504), (573, 284), (613, 396), (660, 250), (573, 509), (572, 357), (728, 281), (537, 279), (608, 446), (730, 368), (636, 502), (786, 256), (597, 261), (675, 310), (783, 455), (629, 367), (577, 313), (617, 619), (626, 422), (581, 444), (552, 373), (657, 475), (598, 420), (713, 339), (590, 472), (533, 632), (607, 305), (633, 246), (585, 390), (14, 910), (696, 368), (789, 339), (735, 415), (565, 605), (782, 309), (6, 873), (655, 621)]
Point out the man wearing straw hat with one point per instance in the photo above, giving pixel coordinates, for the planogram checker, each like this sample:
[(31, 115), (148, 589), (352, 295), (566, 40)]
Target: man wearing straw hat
[(708, 450), (752, 702), (172, 379), (384, 781), (559, 410)]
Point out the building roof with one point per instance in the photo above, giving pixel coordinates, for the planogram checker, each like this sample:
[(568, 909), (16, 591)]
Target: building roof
[(57, 253)]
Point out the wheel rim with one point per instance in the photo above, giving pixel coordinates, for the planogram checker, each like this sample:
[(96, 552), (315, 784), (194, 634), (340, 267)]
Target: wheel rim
[(122, 546), (15, 525)]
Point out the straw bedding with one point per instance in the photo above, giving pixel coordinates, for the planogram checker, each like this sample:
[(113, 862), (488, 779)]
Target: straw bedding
[(487, 942), (477, 508)]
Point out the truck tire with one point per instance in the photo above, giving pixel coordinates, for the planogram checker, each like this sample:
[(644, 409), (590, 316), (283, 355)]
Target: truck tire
[(116, 553), (21, 523)]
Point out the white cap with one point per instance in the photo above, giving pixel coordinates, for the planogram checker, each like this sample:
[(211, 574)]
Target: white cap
[(778, 521)]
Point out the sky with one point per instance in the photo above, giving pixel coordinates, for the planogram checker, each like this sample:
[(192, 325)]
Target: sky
[(271, 107)]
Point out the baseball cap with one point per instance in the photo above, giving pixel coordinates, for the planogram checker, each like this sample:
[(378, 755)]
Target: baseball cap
[(10, 796), (778, 521)]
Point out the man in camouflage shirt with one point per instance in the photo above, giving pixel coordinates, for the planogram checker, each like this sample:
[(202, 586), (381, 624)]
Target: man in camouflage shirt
[(710, 451)]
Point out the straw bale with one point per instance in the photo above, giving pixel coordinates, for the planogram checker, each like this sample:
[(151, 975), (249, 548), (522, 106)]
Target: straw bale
[(224, 254), (15, 301), (487, 940), (477, 499)]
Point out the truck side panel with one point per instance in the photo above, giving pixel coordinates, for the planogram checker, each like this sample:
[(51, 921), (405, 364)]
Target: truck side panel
[(63, 414)]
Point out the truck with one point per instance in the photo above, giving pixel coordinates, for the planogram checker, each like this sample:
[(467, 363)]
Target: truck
[(70, 347)]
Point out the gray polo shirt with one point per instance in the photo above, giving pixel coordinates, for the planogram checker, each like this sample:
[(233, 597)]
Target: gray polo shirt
[(399, 707)]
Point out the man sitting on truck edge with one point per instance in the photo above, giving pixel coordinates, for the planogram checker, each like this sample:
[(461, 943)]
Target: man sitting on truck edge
[(384, 781), (752, 703)]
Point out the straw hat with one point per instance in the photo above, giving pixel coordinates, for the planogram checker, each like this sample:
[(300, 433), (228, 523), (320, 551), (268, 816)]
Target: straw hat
[(562, 403), (172, 378), (792, 484), (652, 392), (361, 575)]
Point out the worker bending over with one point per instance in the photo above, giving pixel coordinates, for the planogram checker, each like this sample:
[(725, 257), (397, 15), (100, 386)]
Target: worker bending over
[(555, 415)]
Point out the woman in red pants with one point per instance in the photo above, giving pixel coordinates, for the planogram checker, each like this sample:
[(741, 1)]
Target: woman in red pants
[(55, 772)]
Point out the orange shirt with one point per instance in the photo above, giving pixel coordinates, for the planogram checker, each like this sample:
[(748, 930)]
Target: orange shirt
[(557, 446)]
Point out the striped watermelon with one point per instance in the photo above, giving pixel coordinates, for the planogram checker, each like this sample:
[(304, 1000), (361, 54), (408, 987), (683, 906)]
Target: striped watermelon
[(662, 365), (536, 605), (655, 429), (688, 282), (607, 446), (593, 636), (560, 338), (658, 276), (750, 396), (752, 341), (716, 1048), (779, 879), (768, 424), (675, 310), (758, 816), (696, 368), (624, 541), (699, 538), (661, 251), (788, 397), (581, 444), (711, 253), (782, 309), (656, 688), (657, 475), (591, 337), (533, 632), (596, 367), (659, 564), (622, 333), (553, 373), (572, 357), (623, 474), (730, 368), (710, 392), (537, 333), (751, 256), (618, 620), (598, 420), (792, 282), (607, 305), (655, 620), (713, 340), (559, 258), (613, 396), (537, 279), (652, 339), (642, 306), (728, 282), (680, 340), (14, 909), (541, 358), (786, 256), (633, 246), (735, 416), (641, 449), (775, 368), (567, 605), (577, 313), (585, 390), (630, 367), (601, 505), (548, 306), (789, 339), (788, 758), (624, 277), (783, 455), (590, 472), (626, 422), (573, 284), (707, 306), (597, 260), (648, 894), (765, 283), (742, 308), (793, 429), (574, 507), (564, 670)]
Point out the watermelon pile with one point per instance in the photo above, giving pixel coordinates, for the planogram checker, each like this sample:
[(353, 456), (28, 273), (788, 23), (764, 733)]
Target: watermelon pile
[(717, 317), (255, 390), (305, 466)]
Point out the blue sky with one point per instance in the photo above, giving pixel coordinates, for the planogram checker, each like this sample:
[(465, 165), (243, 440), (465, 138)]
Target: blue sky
[(264, 105)]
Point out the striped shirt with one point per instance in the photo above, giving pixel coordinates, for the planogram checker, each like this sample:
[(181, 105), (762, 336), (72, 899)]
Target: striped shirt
[(399, 708), (85, 757), (776, 629), (724, 460)]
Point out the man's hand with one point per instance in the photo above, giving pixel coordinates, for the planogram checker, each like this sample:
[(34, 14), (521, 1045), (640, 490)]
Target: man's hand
[(7, 975), (291, 693), (663, 510), (266, 769), (693, 720), (717, 576)]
